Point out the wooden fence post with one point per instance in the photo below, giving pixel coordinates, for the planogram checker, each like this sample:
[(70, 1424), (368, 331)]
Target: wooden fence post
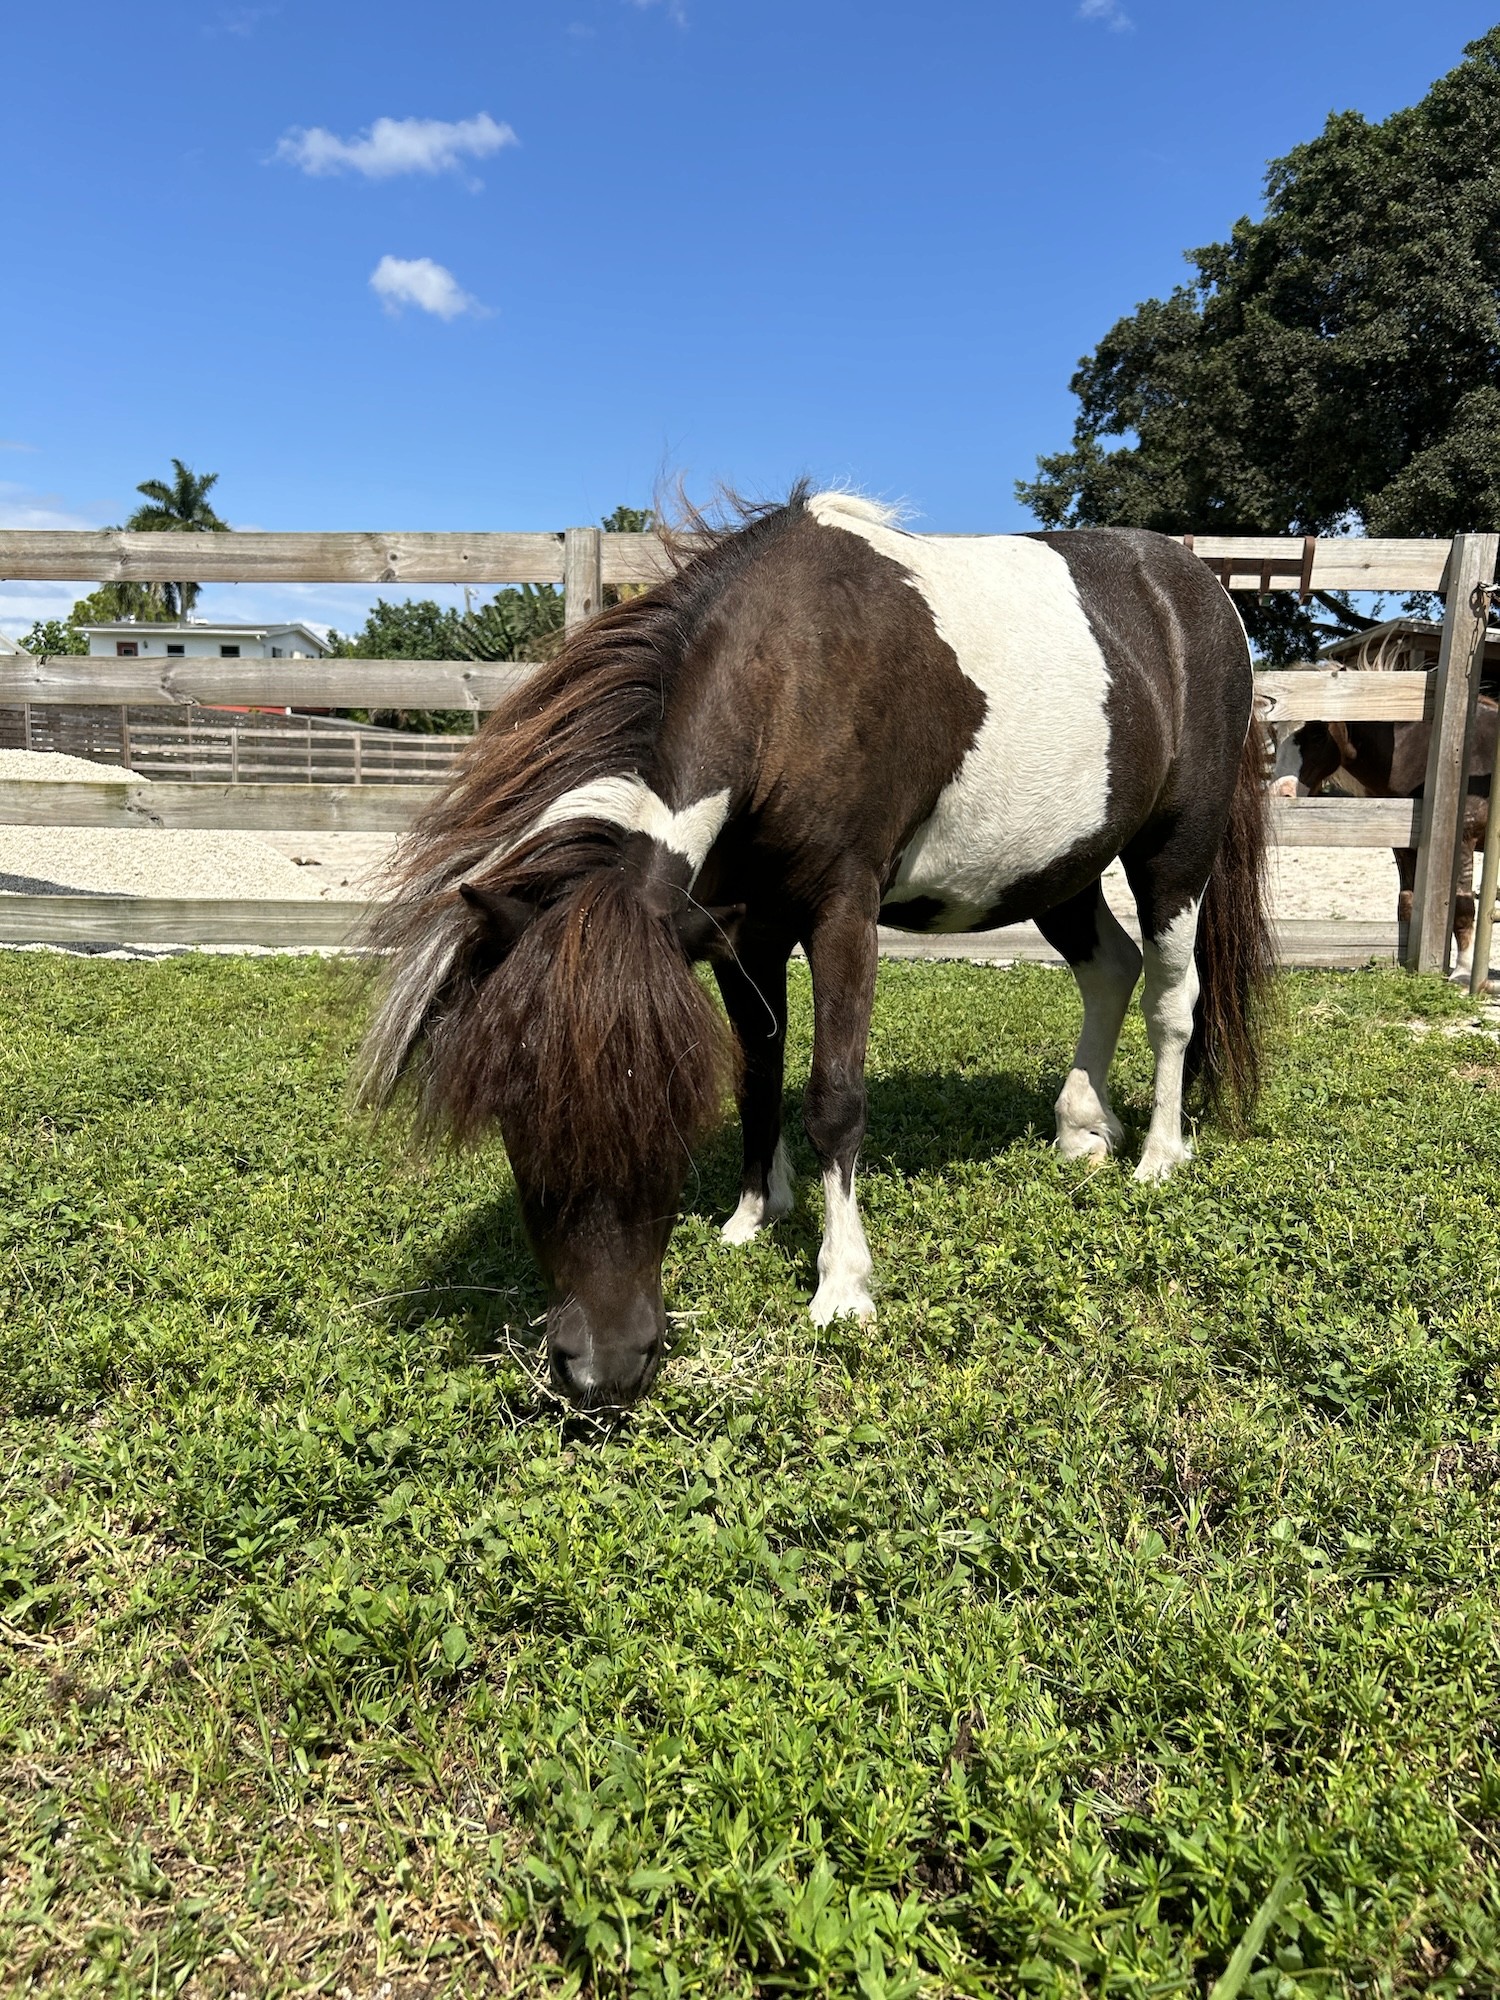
[(583, 579), (1455, 704)]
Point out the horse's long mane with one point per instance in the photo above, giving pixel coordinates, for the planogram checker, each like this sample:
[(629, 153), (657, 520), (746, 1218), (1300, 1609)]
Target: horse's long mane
[(593, 1028)]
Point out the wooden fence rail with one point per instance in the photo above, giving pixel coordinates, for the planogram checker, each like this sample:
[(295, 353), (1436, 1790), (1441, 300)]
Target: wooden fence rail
[(271, 808), (72, 679), (157, 921), (584, 561), (113, 555)]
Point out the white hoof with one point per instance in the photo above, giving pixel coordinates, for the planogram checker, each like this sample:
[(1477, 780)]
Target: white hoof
[(1086, 1127), (831, 1302), (1089, 1142), (757, 1210), (1162, 1158), (746, 1222)]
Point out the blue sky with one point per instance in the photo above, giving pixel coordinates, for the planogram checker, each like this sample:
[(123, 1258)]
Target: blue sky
[(859, 239)]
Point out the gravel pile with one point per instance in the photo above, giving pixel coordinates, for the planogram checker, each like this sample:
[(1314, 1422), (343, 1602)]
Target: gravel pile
[(105, 861), (51, 764), (146, 861)]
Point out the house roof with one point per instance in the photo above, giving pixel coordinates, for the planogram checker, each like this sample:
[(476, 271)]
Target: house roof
[(202, 628)]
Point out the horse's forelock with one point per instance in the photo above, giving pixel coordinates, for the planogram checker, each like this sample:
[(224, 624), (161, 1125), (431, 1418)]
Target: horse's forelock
[(592, 1044)]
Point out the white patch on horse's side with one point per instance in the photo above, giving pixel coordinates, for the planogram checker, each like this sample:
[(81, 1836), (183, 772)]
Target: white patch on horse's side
[(1170, 996), (629, 802), (844, 1265), (756, 1210), (1035, 782)]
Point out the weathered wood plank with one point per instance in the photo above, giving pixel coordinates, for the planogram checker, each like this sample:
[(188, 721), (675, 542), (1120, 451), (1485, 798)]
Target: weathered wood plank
[(1346, 822), (583, 579), (68, 679), (113, 555), (1336, 942), (387, 808), (114, 920), (151, 920), (74, 679), (1352, 696), (633, 559), (1455, 703), (1340, 562), (244, 808)]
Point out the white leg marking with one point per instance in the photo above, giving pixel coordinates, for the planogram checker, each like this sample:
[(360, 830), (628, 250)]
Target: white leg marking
[(1171, 993), (844, 1266), (1087, 1128), (756, 1210), (1463, 965)]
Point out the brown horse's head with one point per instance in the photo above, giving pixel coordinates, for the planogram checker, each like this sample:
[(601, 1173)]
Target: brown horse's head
[(592, 1044), (579, 1028), (1306, 758)]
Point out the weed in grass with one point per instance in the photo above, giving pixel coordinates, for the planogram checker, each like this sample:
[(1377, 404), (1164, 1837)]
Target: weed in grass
[(1115, 1615)]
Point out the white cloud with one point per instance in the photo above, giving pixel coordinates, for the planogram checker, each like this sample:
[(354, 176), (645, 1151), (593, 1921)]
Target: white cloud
[(20, 507), (396, 146), (1110, 12), (23, 602), (419, 282), (15, 444), (241, 21), (675, 9)]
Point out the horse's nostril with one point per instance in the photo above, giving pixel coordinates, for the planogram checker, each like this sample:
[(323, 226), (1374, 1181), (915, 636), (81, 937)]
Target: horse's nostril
[(594, 1387)]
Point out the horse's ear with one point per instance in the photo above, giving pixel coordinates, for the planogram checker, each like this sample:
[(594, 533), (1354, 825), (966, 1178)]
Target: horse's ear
[(709, 933), (505, 917)]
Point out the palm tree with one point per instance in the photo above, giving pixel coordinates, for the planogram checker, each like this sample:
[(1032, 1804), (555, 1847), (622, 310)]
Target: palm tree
[(181, 507)]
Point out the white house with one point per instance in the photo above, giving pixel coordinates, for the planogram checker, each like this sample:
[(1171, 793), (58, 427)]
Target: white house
[(132, 639)]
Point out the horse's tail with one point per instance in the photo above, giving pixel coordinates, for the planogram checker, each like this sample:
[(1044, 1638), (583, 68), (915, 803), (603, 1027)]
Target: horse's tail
[(1236, 950)]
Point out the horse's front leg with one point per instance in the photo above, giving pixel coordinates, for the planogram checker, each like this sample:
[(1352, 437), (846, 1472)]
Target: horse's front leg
[(842, 957), (753, 984)]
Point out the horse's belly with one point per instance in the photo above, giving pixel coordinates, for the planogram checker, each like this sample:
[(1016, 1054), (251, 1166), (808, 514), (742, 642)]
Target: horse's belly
[(986, 845)]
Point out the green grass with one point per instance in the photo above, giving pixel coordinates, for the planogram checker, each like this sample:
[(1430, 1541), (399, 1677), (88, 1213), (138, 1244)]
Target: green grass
[(1118, 1616)]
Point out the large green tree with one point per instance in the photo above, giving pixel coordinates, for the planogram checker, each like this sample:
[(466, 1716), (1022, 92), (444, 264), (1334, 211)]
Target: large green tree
[(1333, 366), (178, 506)]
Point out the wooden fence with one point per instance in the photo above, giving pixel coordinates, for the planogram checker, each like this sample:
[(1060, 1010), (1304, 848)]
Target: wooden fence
[(210, 744), (584, 561)]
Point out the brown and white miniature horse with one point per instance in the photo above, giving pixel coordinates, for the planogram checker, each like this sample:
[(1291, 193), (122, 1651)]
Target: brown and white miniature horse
[(818, 723), (1388, 760)]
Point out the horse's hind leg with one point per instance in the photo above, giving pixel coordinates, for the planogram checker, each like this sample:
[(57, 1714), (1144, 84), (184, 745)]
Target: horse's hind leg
[(842, 957), (1106, 964), (753, 985), (1168, 881)]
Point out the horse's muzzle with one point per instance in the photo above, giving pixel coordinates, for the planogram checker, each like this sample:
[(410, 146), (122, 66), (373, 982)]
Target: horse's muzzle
[(604, 1363)]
